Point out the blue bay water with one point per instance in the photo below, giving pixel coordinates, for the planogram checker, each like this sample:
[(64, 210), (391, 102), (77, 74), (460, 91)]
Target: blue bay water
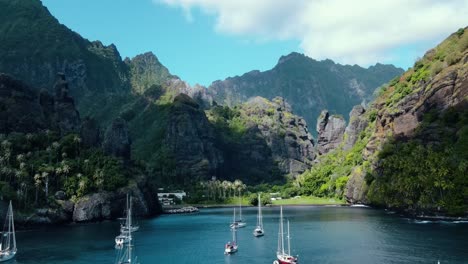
[(319, 235)]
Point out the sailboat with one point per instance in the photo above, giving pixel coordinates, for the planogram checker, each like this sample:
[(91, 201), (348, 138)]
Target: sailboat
[(124, 253), (258, 232), (127, 228), (239, 222), (133, 227), (8, 239), (284, 257), (231, 246)]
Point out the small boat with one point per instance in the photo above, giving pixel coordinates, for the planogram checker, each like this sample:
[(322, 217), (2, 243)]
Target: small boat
[(282, 256), (258, 231), (123, 226), (124, 252), (8, 239), (231, 246), (239, 222)]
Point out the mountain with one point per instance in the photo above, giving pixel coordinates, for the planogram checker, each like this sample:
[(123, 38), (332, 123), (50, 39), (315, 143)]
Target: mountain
[(408, 150), (308, 85), (34, 46), (53, 165)]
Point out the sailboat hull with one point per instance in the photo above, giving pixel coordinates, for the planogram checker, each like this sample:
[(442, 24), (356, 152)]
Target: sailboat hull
[(258, 232), (286, 259), (5, 256), (230, 250)]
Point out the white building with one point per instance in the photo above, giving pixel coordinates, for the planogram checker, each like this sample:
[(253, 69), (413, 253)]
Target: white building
[(165, 197)]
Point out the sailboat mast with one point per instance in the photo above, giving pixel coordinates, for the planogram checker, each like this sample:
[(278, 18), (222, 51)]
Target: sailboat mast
[(240, 206), (129, 225), (234, 236), (12, 226), (282, 230), (234, 217), (289, 241), (260, 211)]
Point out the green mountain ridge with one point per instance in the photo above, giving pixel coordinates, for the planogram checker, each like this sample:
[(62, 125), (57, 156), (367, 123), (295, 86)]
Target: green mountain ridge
[(308, 85)]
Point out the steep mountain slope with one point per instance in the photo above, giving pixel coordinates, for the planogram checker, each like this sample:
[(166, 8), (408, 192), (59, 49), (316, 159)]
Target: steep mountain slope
[(34, 46), (410, 148), (52, 167), (262, 140), (308, 85)]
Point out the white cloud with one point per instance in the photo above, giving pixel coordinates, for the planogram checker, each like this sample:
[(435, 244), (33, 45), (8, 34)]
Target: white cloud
[(347, 31)]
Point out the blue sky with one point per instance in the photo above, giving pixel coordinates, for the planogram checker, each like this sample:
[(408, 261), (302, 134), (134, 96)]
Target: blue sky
[(205, 40)]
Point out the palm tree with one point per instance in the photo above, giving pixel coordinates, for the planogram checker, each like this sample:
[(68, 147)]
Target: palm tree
[(45, 177), (225, 185), (77, 141), (37, 183)]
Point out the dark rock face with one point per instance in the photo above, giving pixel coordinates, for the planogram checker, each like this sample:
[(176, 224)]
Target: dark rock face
[(285, 134), (110, 205), (357, 123), (23, 110), (330, 129), (20, 110), (190, 137), (117, 140), (90, 132), (67, 116)]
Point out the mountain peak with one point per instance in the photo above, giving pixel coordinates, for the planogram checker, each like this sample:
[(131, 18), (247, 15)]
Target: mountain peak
[(291, 56)]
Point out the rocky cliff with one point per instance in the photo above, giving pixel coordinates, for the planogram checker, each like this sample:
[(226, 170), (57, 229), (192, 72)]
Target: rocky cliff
[(408, 150), (287, 135), (262, 140), (357, 123), (25, 110), (117, 141), (191, 139), (308, 85), (330, 130)]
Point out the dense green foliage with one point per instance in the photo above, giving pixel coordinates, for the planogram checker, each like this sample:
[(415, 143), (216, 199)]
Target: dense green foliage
[(35, 166), (431, 176), (329, 177)]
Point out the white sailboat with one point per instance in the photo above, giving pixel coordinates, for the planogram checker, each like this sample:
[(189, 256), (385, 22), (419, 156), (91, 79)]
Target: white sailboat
[(125, 253), (127, 228), (231, 246), (8, 239), (239, 222), (234, 223), (133, 227), (283, 256), (258, 232)]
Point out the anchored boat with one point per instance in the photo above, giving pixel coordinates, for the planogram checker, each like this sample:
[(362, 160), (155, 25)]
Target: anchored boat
[(125, 252), (231, 246), (127, 227), (239, 222), (283, 256), (258, 232), (8, 239)]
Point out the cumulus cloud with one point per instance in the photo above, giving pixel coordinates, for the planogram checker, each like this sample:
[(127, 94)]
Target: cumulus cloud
[(347, 31)]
